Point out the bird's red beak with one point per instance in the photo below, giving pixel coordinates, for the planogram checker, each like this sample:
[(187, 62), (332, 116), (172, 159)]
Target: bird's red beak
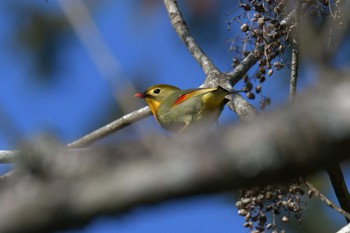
[(140, 95)]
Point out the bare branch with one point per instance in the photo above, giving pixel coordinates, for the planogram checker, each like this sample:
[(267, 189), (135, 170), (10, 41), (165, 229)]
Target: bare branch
[(238, 73), (10, 156), (244, 110), (111, 127), (295, 55), (336, 176), (327, 201), (293, 74), (185, 35)]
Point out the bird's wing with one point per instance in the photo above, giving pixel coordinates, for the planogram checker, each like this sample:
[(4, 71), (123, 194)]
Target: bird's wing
[(192, 93)]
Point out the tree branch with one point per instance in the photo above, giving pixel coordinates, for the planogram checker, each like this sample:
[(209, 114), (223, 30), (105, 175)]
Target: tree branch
[(185, 35), (111, 127), (345, 229), (240, 70), (336, 176), (244, 110), (326, 200), (214, 77), (294, 74), (273, 147), (10, 156), (7, 156)]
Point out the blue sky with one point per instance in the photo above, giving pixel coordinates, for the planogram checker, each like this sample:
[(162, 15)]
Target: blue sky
[(78, 97)]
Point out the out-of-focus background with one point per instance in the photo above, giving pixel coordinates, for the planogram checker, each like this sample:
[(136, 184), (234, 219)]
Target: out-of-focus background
[(69, 67)]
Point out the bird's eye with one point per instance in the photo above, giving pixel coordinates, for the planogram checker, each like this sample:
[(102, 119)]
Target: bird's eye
[(156, 91)]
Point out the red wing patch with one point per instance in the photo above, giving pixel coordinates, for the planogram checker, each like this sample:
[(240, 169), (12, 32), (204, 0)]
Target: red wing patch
[(190, 93), (181, 99)]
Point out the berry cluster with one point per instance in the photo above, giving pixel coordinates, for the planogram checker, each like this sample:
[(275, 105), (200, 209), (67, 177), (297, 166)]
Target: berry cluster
[(267, 28), (266, 33), (266, 208)]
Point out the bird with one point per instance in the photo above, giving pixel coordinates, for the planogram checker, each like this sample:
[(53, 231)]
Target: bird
[(175, 109)]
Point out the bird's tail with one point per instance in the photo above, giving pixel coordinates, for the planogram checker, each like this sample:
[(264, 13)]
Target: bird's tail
[(230, 91)]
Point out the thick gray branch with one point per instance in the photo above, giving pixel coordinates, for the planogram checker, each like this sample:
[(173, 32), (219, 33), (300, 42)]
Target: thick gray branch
[(273, 147), (7, 156), (244, 110), (345, 229)]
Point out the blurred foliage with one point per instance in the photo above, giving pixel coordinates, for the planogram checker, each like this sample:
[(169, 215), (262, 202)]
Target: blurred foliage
[(42, 34)]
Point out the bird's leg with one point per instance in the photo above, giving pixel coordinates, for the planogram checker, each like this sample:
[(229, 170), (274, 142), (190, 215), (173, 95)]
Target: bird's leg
[(183, 128), (217, 124)]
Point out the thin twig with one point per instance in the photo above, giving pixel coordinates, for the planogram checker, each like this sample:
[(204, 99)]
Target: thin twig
[(330, 9), (295, 57), (289, 17), (327, 201), (111, 127), (294, 74), (10, 156), (251, 58)]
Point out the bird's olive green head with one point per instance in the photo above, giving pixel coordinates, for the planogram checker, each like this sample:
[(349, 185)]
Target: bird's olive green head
[(155, 95), (159, 92)]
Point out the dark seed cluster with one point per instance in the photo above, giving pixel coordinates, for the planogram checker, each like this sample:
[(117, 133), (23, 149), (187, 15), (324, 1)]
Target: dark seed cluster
[(265, 35), (266, 30), (267, 209)]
